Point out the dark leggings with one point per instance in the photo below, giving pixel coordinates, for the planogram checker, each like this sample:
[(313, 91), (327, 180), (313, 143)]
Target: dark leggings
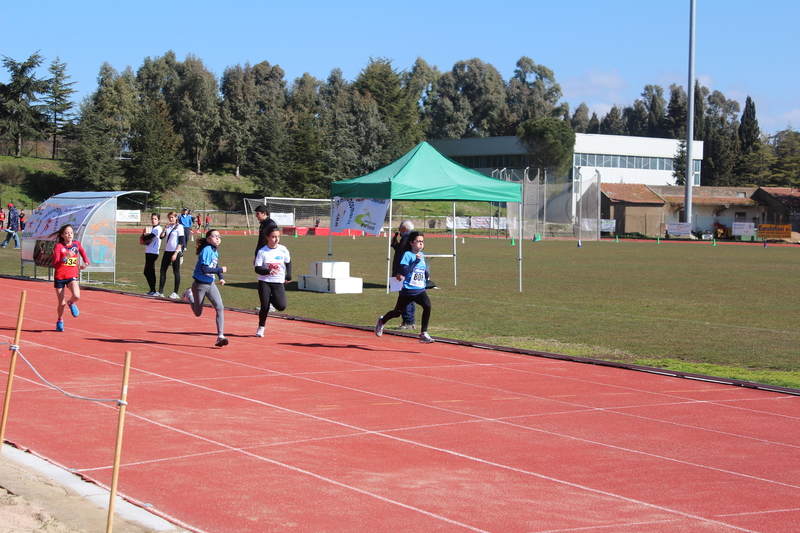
[(270, 293), (150, 270), (403, 299), (176, 268)]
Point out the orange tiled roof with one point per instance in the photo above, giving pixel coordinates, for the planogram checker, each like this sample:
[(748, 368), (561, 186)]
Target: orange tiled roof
[(630, 193), (788, 196)]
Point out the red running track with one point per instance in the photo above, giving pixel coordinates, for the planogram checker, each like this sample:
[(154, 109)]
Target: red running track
[(321, 428)]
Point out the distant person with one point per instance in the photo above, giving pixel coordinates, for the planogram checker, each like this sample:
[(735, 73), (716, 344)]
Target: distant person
[(205, 272), (12, 228), (199, 222), (67, 255), (22, 220), (152, 241), (208, 221), (2, 218), (174, 246), (273, 264), (414, 276), (262, 214), (399, 245), (316, 223), (187, 221)]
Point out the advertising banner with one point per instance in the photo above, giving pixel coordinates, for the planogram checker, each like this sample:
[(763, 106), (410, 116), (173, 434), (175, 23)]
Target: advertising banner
[(775, 231), (361, 214)]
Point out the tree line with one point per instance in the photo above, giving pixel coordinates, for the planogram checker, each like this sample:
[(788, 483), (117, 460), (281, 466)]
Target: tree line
[(143, 129)]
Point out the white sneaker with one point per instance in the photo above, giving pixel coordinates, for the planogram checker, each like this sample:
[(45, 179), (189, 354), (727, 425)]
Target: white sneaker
[(221, 341), (379, 327), (424, 338), (260, 331), (187, 295), (174, 296), (271, 308)]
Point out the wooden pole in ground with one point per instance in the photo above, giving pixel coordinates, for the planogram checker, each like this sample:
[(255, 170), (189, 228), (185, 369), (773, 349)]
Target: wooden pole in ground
[(11, 368), (118, 451)]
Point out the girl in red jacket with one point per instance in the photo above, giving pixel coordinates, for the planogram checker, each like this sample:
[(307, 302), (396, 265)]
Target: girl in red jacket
[(67, 265)]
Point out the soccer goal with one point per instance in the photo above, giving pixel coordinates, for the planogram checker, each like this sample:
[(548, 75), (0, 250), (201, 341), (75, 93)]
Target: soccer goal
[(308, 212)]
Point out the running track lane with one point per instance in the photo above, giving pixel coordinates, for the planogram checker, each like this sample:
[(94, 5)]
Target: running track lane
[(320, 428)]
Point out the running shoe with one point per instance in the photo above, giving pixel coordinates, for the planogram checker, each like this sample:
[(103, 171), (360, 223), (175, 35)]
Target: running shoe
[(424, 338), (221, 341), (379, 327), (73, 308), (260, 331), (271, 308), (152, 293), (60, 325), (407, 326), (187, 295), (174, 296)]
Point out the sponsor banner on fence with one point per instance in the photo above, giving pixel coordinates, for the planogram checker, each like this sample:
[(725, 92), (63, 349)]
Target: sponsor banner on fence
[(609, 226), (461, 222), (487, 222), (283, 219), (361, 214), (775, 231), (679, 228), (125, 215), (747, 229)]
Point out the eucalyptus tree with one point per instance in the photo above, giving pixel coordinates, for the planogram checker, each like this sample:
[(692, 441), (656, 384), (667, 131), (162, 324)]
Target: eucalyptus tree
[(654, 103), (635, 118), (305, 170), (154, 163), (532, 92), (580, 119), (397, 103), (677, 112), (238, 112), (93, 162), (422, 82), (159, 78), (58, 100), (115, 104), (550, 143), (355, 137), (613, 123), (267, 158), (786, 166), (21, 115), (196, 110), (470, 102)]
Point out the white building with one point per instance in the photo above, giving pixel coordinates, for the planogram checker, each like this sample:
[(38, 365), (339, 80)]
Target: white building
[(618, 158)]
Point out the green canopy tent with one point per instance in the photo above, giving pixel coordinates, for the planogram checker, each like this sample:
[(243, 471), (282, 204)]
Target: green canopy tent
[(425, 174)]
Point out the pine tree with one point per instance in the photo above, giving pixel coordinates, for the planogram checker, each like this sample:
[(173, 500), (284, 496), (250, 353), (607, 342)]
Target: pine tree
[(21, 117), (58, 100)]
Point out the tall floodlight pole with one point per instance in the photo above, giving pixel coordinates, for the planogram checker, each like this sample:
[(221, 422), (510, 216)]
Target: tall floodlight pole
[(689, 180)]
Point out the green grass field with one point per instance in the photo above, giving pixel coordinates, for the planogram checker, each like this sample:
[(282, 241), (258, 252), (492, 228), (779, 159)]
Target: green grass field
[(724, 310)]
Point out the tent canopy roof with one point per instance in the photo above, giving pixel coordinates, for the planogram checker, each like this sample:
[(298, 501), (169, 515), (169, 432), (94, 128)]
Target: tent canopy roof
[(425, 174)]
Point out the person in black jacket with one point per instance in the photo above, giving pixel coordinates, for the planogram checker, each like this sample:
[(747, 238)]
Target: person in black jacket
[(12, 228), (265, 222), (400, 245)]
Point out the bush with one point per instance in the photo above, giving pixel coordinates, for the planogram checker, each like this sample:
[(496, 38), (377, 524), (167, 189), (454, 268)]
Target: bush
[(11, 174)]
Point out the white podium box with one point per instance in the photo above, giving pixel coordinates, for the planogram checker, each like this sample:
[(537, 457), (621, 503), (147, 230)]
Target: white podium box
[(330, 269), (330, 276), (334, 285)]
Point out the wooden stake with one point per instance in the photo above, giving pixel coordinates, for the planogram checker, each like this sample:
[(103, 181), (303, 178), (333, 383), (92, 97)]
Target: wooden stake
[(118, 451), (11, 368)]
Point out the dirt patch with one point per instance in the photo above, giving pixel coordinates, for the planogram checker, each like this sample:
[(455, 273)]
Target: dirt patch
[(32, 501)]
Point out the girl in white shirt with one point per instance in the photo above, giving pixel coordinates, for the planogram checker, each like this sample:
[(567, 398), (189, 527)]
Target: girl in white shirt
[(273, 265), (174, 244), (152, 243)]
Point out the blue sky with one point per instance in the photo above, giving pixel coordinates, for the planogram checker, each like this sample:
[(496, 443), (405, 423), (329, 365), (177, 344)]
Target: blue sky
[(602, 52)]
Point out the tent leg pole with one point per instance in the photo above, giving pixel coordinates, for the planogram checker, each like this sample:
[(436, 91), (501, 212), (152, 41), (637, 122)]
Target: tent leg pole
[(389, 248), (455, 269), (330, 235)]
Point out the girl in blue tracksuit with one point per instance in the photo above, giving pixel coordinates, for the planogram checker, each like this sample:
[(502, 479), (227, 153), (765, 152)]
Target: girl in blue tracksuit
[(414, 274), (205, 272)]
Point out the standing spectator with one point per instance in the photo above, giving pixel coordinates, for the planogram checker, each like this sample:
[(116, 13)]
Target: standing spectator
[(400, 245), (22, 220), (2, 217), (199, 222), (152, 241), (262, 214), (12, 228), (187, 221), (174, 245), (208, 221)]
